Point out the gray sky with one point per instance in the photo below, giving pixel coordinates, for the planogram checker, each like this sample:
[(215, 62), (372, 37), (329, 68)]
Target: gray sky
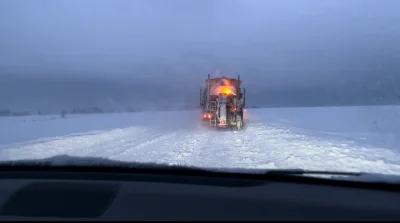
[(273, 44)]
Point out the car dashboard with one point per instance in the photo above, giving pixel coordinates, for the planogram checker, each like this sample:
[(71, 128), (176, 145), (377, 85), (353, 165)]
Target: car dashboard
[(97, 196)]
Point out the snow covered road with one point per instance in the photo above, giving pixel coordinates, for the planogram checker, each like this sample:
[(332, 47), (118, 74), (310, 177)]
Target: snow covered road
[(268, 142)]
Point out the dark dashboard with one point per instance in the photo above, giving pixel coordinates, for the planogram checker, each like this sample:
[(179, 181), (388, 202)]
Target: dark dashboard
[(72, 195)]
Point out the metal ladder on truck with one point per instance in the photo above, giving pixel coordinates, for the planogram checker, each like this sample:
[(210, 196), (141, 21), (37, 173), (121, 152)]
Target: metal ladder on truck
[(213, 111)]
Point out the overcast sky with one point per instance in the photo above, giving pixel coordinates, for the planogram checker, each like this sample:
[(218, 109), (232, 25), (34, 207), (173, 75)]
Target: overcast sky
[(273, 44)]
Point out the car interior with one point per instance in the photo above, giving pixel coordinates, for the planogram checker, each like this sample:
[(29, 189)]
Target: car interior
[(101, 194)]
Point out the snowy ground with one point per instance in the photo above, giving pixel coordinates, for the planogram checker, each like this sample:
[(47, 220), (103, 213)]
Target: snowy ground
[(336, 138)]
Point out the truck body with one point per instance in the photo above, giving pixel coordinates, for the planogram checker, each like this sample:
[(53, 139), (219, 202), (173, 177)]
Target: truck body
[(222, 102)]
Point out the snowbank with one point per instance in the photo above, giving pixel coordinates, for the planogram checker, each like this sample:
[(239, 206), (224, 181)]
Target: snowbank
[(378, 125), (18, 129)]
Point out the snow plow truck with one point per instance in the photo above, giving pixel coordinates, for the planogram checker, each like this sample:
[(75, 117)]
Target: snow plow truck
[(222, 102)]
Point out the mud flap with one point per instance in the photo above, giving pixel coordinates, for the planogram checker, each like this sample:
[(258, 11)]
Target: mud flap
[(239, 122)]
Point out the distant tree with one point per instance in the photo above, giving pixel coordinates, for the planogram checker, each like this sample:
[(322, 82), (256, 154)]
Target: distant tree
[(131, 109), (20, 113), (96, 109), (63, 114), (5, 112)]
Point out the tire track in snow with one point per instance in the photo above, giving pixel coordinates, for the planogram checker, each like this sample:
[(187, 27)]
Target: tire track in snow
[(187, 149), (171, 149), (235, 149), (78, 145), (71, 145), (284, 148), (131, 147), (135, 141), (18, 145)]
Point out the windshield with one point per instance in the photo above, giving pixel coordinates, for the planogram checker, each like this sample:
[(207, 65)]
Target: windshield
[(211, 84)]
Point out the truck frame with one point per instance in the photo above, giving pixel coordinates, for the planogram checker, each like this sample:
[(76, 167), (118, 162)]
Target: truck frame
[(222, 102)]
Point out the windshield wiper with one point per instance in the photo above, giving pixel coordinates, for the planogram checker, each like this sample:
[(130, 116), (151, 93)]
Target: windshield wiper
[(101, 165), (310, 172)]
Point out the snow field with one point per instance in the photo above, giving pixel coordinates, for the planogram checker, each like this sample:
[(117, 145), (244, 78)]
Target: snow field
[(336, 138)]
